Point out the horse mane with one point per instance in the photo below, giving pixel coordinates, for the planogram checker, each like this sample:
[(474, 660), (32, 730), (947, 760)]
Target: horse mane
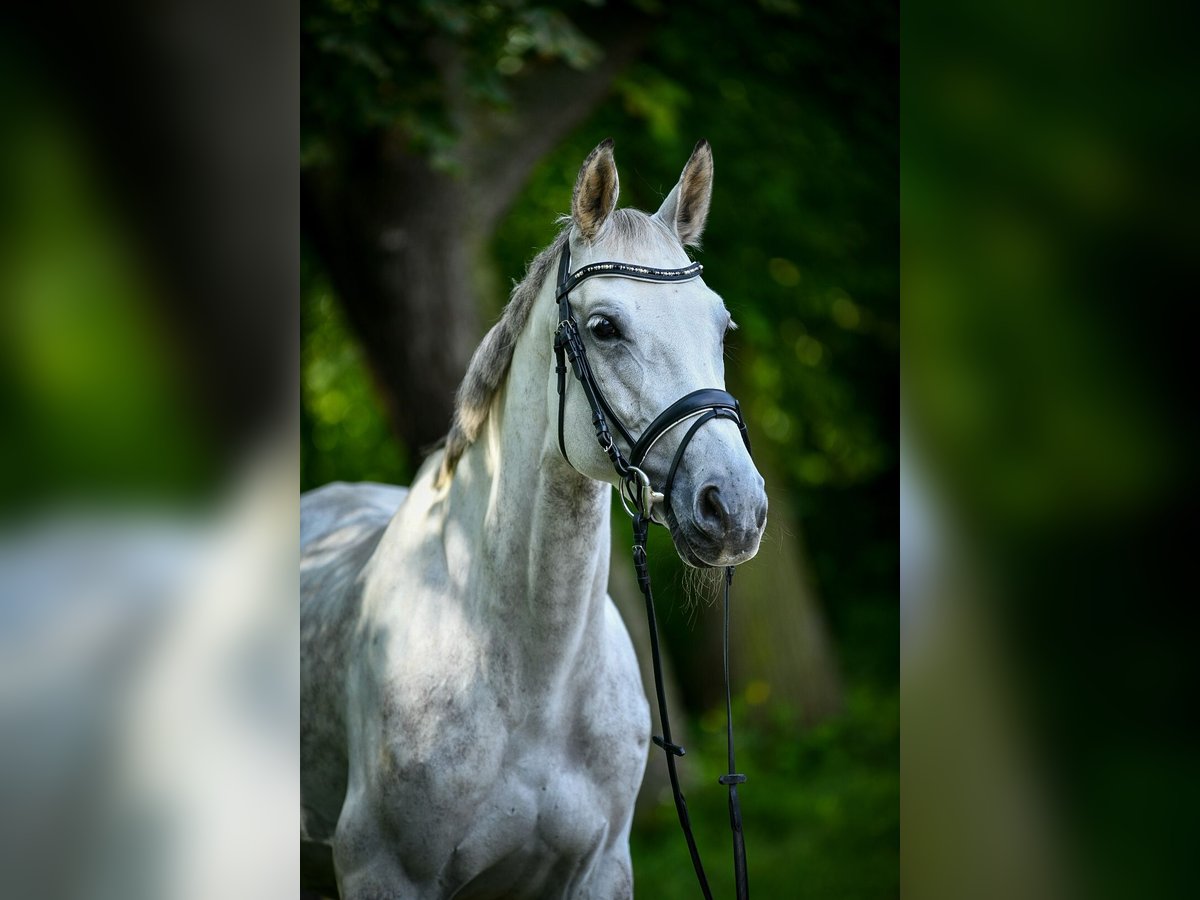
[(490, 363), (492, 358)]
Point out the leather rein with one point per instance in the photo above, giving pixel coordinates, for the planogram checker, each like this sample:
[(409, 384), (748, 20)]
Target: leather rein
[(639, 498)]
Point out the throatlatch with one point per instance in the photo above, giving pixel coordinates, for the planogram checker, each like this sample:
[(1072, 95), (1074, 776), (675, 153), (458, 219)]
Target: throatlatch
[(639, 497)]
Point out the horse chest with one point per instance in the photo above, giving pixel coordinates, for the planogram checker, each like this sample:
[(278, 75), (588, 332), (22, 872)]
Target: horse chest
[(540, 810), (516, 787), (534, 758), (547, 818)]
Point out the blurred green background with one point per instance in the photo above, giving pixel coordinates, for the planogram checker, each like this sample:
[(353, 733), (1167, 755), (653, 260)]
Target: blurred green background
[(799, 102), (1048, 200)]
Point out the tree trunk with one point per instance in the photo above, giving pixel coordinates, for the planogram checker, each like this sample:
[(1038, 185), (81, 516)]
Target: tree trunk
[(780, 648), (404, 243), (396, 241), (786, 646)]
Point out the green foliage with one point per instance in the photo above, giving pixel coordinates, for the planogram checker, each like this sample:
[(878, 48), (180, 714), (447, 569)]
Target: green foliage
[(97, 402), (799, 103), (369, 65), (655, 99), (819, 808), (343, 423)]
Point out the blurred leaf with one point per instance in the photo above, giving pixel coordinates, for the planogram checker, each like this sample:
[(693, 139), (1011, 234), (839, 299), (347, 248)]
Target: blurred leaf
[(344, 431), (655, 98)]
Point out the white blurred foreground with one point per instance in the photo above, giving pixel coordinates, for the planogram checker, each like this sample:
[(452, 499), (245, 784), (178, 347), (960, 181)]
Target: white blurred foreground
[(149, 701)]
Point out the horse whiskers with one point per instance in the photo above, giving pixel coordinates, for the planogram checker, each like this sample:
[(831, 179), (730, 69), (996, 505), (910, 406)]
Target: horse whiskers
[(700, 586)]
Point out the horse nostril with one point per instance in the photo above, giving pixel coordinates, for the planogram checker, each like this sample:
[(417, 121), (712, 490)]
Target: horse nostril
[(711, 514)]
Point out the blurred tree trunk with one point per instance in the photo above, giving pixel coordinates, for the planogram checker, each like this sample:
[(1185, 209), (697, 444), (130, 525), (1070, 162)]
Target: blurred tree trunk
[(404, 242), (783, 639), (396, 242), (780, 648)]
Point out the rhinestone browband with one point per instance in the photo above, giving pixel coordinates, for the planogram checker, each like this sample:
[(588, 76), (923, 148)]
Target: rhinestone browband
[(627, 270)]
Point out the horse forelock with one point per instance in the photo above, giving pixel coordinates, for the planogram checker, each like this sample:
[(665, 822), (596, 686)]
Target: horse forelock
[(631, 235), (627, 234)]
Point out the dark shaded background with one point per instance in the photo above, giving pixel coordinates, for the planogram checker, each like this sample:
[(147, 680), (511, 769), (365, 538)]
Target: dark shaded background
[(1049, 489), (440, 144), (148, 310)]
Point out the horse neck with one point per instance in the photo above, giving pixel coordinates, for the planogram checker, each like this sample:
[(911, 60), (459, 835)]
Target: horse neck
[(540, 529)]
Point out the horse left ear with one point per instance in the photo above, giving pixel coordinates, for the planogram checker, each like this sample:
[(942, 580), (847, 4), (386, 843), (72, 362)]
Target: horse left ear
[(596, 190), (686, 207)]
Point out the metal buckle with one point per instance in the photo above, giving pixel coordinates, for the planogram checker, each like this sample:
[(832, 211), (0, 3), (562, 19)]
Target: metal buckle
[(644, 498)]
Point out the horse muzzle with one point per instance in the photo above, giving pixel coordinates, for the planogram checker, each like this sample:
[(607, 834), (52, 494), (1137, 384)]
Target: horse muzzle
[(717, 519)]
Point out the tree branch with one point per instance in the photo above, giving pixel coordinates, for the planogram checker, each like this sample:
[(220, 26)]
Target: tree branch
[(502, 147)]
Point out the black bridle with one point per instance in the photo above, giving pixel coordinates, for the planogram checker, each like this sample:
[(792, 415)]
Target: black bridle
[(638, 497)]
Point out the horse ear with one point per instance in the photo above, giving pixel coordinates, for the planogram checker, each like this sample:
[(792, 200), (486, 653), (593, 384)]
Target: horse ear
[(686, 207), (596, 190)]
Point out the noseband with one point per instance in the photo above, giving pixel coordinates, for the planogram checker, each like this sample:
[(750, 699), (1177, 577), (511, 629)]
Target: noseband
[(639, 499), (707, 403)]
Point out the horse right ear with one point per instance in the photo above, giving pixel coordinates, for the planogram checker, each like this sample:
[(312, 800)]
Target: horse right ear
[(596, 191), (686, 207)]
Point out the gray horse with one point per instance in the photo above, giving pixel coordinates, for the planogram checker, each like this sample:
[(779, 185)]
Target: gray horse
[(473, 722)]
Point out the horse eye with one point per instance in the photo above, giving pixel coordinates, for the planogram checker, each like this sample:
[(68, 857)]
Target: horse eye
[(603, 329)]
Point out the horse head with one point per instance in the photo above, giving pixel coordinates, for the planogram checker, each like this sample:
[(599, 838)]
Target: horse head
[(651, 336)]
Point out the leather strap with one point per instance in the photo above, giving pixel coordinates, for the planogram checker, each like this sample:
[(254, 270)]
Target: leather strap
[(704, 405), (641, 526), (718, 413), (682, 409), (624, 270), (567, 343), (671, 750), (732, 779)]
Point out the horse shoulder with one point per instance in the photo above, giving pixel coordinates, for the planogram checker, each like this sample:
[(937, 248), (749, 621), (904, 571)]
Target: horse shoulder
[(340, 528), (624, 669), (617, 708)]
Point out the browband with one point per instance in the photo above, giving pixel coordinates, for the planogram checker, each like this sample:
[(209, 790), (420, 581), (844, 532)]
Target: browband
[(623, 270)]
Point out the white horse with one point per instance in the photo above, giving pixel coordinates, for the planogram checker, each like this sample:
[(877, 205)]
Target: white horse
[(473, 722)]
